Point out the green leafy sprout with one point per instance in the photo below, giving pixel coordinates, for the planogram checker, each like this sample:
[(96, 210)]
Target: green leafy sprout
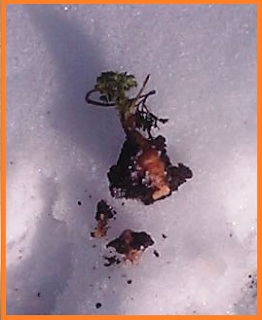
[(113, 88)]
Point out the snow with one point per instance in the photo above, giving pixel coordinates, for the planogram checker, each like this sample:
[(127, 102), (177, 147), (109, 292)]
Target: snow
[(202, 61)]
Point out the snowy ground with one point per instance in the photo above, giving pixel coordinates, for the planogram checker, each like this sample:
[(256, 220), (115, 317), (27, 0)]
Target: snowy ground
[(202, 59)]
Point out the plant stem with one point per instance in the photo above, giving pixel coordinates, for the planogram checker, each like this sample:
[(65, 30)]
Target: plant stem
[(97, 102)]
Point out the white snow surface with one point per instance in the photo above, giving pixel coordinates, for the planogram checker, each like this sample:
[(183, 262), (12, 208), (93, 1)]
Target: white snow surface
[(202, 61)]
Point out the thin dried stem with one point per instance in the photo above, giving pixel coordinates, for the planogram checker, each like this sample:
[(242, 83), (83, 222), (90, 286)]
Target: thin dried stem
[(138, 96), (97, 102)]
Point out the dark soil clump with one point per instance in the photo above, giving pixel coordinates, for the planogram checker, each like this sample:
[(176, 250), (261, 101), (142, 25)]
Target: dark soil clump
[(131, 244), (126, 181), (103, 214)]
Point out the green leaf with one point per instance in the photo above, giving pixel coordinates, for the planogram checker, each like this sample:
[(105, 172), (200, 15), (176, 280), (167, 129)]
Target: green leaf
[(114, 85)]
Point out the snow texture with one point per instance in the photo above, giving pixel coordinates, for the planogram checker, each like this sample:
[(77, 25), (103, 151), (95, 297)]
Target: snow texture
[(202, 61)]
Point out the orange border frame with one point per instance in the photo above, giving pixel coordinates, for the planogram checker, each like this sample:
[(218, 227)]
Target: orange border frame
[(3, 151)]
